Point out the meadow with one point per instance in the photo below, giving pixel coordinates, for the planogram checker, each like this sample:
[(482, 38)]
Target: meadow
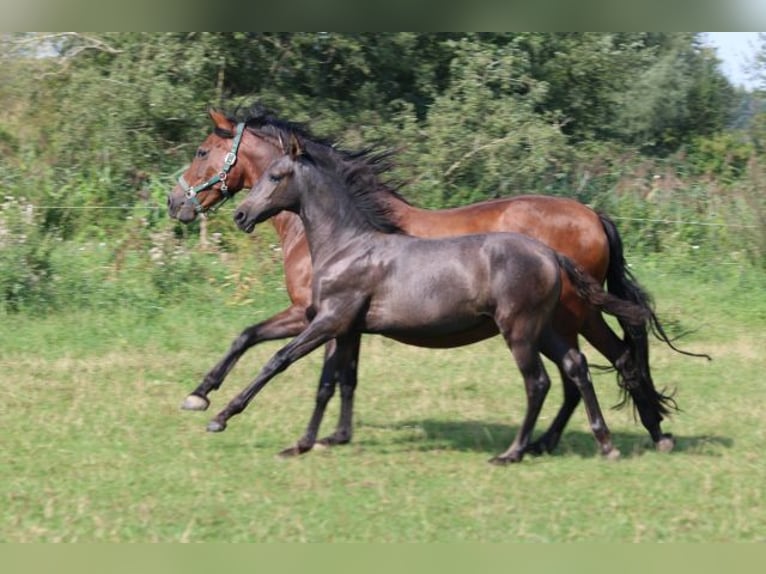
[(95, 447)]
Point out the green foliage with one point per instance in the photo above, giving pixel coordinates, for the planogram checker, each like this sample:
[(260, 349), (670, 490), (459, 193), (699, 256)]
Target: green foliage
[(25, 259), (484, 138), (724, 156), (95, 124), (679, 95)]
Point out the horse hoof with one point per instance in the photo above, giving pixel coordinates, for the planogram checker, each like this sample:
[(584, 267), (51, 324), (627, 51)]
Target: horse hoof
[(215, 426), (502, 460), (666, 443), (293, 451), (333, 440), (613, 454), (195, 403)]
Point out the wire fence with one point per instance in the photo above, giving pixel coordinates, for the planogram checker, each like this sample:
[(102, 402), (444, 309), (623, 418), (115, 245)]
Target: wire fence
[(618, 218)]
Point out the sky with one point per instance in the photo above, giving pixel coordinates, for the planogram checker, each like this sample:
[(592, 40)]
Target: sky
[(736, 50)]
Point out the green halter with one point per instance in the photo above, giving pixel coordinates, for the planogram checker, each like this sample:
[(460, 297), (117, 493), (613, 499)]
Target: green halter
[(228, 161)]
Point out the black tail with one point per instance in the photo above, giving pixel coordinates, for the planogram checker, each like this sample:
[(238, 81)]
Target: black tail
[(635, 379), (590, 290)]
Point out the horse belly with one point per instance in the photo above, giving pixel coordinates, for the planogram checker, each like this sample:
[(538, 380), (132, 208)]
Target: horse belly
[(447, 339)]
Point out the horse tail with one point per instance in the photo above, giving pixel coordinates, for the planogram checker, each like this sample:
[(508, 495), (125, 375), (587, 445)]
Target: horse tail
[(634, 376), (633, 313), (590, 290), (621, 283)]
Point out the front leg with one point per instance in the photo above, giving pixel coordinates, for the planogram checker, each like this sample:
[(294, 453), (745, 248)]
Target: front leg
[(325, 392), (335, 316), (348, 379), (341, 361), (288, 323), (319, 331)]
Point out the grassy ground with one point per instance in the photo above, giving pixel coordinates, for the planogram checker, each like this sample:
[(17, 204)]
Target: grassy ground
[(94, 447)]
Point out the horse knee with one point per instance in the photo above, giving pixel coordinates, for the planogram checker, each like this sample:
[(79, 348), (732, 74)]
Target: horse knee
[(243, 341), (325, 392)]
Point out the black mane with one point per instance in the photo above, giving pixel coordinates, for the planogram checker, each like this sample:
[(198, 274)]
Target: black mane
[(258, 117), (360, 169), (361, 184)]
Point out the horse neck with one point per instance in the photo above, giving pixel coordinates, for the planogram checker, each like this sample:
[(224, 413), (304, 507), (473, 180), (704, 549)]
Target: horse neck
[(289, 230), (327, 221)]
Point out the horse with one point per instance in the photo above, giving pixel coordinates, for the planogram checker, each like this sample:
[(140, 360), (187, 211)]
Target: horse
[(369, 276), (237, 151)]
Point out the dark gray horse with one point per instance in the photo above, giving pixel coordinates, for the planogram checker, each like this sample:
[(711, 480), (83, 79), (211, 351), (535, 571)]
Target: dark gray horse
[(371, 278)]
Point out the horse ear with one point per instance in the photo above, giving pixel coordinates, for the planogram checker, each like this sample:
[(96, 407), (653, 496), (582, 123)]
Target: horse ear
[(221, 121), (296, 147)]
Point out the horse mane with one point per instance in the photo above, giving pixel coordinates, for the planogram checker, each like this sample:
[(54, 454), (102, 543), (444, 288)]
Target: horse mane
[(361, 184), (259, 117), (361, 168)]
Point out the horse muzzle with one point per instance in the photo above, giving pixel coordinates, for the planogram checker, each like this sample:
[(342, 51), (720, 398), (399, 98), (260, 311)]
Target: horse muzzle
[(244, 220), (180, 209)]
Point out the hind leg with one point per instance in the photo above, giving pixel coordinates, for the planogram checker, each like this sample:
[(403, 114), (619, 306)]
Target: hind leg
[(536, 384), (549, 440), (633, 373), (574, 367)]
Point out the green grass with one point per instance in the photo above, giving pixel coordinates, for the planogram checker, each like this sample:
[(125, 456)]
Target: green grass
[(95, 448)]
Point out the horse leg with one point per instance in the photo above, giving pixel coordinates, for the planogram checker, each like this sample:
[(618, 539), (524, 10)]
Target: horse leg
[(633, 372), (549, 440), (319, 331), (348, 378), (573, 365), (536, 384), (287, 323), (325, 392), (340, 366)]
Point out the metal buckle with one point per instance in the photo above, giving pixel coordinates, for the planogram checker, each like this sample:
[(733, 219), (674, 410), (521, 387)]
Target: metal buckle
[(230, 158)]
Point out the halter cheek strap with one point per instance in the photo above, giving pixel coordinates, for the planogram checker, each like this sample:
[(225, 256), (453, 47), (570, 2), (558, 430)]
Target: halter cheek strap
[(228, 161)]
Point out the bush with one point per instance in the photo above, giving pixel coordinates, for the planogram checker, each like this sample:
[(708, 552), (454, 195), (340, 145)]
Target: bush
[(25, 258)]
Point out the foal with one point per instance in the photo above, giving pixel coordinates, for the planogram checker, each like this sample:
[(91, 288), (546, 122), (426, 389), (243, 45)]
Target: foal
[(371, 278)]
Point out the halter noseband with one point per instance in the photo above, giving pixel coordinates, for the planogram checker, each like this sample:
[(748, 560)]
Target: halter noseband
[(229, 160)]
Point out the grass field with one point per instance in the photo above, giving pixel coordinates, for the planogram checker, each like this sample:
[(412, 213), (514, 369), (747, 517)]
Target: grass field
[(95, 448)]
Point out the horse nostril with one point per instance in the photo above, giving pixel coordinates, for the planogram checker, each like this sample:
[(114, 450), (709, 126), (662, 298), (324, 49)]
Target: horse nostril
[(239, 216)]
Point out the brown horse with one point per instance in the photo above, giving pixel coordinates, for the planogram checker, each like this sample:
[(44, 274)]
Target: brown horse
[(237, 152), (371, 277)]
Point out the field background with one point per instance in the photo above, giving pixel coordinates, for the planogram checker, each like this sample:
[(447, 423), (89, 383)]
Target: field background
[(95, 447)]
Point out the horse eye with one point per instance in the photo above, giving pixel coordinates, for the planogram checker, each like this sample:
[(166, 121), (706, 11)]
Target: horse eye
[(275, 178), (201, 153)]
